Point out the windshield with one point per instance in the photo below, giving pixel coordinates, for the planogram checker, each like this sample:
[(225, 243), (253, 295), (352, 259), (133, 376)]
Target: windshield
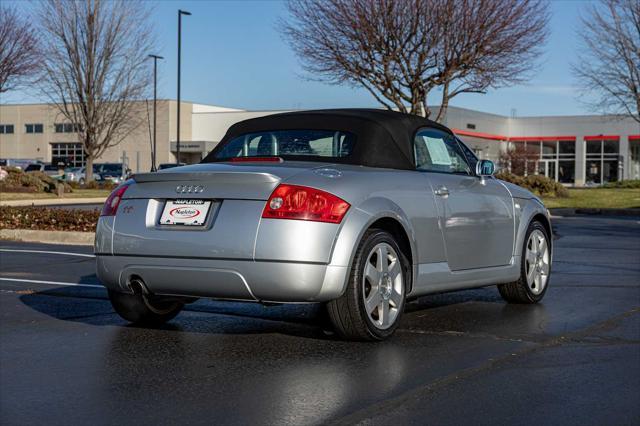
[(289, 143), (32, 168)]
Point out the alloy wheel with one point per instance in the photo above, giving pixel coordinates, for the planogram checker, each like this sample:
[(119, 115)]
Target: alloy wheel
[(383, 286), (537, 262)]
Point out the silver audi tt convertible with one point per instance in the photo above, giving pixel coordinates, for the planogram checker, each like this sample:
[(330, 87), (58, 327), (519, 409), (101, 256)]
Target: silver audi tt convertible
[(359, 209)]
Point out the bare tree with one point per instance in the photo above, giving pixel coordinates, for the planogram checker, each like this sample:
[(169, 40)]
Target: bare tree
[(401, 50), (608, 68), (19, 55), (95, 67), (519, 159)]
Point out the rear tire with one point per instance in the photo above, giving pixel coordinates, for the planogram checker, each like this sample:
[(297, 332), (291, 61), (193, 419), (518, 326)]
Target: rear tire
[(142, 309), (372, 304), (535, 268)]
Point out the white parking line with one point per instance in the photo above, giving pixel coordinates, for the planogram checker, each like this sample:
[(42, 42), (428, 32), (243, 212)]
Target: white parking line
[(64, 253), (20, 280)]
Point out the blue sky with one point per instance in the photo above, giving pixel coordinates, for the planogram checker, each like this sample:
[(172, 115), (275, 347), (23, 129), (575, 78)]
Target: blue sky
[(234, 56)]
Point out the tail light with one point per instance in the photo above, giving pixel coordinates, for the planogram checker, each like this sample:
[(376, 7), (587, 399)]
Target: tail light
[(113, 201), (303, 203)]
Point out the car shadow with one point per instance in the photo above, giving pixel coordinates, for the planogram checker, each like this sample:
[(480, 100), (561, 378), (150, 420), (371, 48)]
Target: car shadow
[(91, 306)]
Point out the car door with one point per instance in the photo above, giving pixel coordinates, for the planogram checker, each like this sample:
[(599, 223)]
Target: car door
[(476, 215)]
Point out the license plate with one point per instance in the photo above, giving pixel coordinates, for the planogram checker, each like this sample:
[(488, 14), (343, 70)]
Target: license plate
[(185, 212)]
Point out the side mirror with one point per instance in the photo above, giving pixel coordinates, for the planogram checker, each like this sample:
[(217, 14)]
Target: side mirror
[(485, 168)]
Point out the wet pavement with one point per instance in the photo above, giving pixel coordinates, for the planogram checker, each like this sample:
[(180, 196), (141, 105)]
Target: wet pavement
[(458, 358)]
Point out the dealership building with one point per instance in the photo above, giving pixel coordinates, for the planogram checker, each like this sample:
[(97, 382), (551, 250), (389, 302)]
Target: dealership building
[(574, 150)]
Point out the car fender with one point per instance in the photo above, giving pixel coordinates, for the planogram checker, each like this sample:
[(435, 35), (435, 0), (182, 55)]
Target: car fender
[(355, 224), (529, 208)]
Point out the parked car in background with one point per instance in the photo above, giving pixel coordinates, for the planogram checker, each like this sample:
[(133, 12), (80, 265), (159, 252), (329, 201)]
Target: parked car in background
[(74, 174), (114, 172), (359, 209), (165, 166), (49, 169), (16, 162), (77, 174)]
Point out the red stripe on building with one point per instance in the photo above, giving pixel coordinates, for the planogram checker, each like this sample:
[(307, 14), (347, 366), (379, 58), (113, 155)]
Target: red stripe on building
[(602, 138), (490, 136), (480, 135), (541, 138)]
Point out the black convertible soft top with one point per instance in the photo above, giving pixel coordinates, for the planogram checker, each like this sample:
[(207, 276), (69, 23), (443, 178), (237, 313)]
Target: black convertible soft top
[(383, 138)]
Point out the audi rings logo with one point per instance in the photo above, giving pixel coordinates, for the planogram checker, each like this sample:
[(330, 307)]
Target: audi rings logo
[(189, 189)]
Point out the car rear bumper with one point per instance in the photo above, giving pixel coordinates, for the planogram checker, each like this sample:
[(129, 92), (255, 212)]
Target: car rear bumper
[(269, 281)]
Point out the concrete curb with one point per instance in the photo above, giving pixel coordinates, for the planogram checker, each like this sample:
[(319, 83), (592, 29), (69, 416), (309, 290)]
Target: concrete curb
[(53, 201), (49, 237), (601, 212)]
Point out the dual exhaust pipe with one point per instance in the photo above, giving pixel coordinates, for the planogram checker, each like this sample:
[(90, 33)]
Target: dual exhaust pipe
[(137, 286)]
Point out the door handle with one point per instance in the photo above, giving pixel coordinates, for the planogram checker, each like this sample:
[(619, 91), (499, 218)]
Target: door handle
[(442, 191)]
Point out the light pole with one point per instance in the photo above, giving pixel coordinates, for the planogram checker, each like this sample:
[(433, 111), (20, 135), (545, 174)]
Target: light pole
[(155, 98), (180, 13)]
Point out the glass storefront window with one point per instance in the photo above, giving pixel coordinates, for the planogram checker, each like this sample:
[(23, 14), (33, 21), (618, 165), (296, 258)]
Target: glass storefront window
[(554, 159), (532, 147), (567, 171), (567, 162), (609, 171), (567, 148), (549, 149), (610, 147), (70, 154), (602, 161), (594, 147), (634, 159), (593, 172)]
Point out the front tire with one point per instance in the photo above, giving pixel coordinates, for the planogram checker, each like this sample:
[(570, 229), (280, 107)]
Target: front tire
[(535, 268), (372, 305), (142, 309)]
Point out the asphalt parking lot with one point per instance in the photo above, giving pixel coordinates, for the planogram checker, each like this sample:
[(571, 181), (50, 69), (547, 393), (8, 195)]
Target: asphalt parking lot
[(459, 358)]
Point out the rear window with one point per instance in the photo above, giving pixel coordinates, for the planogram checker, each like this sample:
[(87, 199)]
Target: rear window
[(33, 168), (289, 143)]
